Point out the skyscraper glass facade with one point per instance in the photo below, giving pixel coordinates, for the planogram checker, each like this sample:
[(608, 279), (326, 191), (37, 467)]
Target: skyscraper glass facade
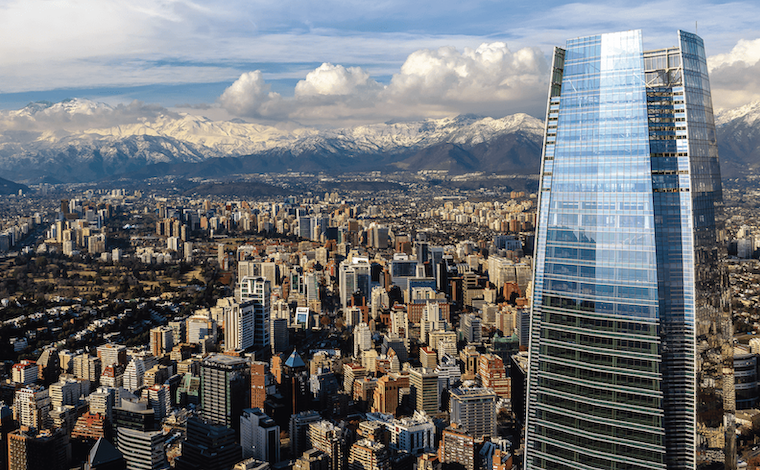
[(630, 348)]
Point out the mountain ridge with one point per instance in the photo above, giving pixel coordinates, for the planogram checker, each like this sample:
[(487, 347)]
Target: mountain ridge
[(80, 141), (173, 141)]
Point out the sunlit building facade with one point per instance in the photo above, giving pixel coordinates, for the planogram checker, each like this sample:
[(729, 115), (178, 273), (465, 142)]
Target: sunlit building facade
[(631, 345)]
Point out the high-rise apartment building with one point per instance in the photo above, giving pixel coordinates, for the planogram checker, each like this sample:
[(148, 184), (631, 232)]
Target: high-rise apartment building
[(25, 372), (87, 367), (414, 434), (312, 459), (475, 410), (32, 406), (161, 340), (43, 450), (110, 354), (629, 291), (366, 454), (134, 374), (328, 438), (456, 449)]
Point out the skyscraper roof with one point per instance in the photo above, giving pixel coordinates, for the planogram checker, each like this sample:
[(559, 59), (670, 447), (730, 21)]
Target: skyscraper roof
[(295, 361), (103, 452)]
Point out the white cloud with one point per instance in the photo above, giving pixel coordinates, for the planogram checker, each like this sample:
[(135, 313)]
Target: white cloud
[(490, 73), (745, 51), (735, 76), (490, 80), (335, 80), (251, 96)]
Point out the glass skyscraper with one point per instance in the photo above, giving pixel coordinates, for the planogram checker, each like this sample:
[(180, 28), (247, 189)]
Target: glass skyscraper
[(631, 345)]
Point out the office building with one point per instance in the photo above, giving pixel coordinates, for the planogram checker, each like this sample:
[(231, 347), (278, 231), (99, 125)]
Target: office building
[(428, 357), (629, 274), (208, 447), (474, 409), (299, 431), (449, 373), (104, 456), (425, 394), (493, 375), (259, 436), (143, 450), (362, 339), (279, 335), (225, 381), (354, 277), (258, 291), (472, 328), (259, 371), (138, 436), (745, 371), (470, 358), (386, 394), (239, 326)]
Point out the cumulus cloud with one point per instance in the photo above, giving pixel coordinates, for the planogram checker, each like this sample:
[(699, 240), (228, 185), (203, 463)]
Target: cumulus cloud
[(735, 76), (745, 51), (490, 73), (251, 96), (336, 80), (490, 80)]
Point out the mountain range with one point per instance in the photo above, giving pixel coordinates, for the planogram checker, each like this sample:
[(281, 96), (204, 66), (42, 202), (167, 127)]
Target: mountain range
[(71, 141)]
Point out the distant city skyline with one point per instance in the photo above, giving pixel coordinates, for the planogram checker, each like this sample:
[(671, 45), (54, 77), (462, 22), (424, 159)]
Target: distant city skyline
[(337, 64)]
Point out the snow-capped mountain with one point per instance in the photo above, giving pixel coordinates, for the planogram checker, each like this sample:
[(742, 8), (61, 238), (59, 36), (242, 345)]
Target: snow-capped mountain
[(81, 140), (739, 140)]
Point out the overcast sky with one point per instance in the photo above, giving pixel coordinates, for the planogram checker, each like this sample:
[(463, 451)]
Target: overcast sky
[(340, 62)]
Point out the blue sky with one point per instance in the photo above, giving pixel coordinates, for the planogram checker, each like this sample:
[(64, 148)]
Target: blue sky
[(339, 62)]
